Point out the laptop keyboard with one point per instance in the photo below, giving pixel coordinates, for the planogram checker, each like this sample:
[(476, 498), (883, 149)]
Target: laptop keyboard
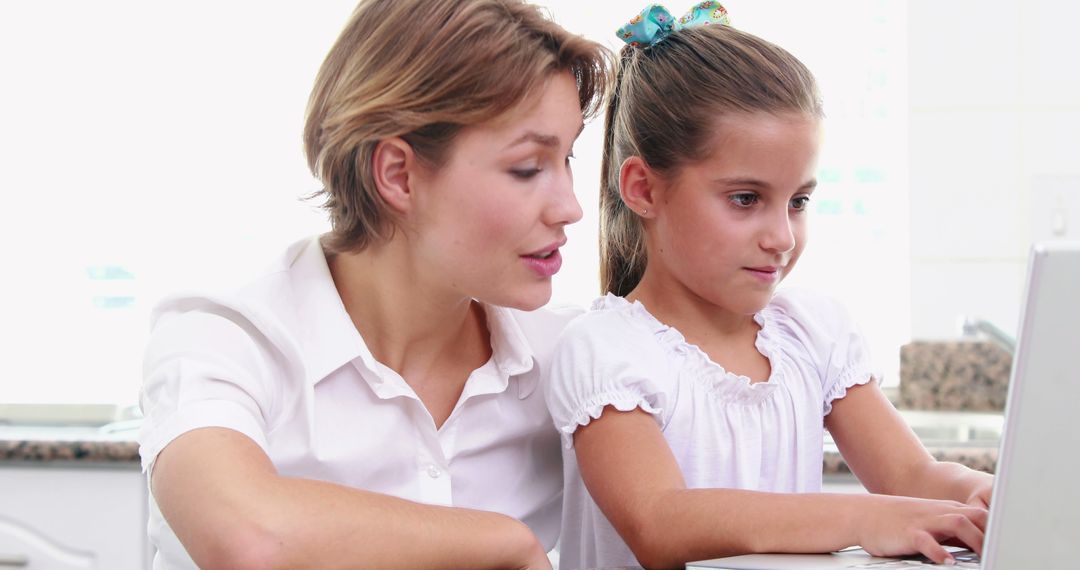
[(964, 559)]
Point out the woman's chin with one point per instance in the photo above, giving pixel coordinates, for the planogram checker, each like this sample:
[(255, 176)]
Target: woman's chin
[(525, 299)]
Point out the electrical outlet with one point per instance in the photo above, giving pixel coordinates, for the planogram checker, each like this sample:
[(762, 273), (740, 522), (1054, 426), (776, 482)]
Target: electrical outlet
[(1055, 207)]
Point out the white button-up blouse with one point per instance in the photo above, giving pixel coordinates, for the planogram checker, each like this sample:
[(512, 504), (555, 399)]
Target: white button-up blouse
[(281, 362)]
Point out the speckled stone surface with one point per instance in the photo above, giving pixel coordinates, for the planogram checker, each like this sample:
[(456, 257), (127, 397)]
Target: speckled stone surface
[(978, 458), (38, 448), (120, 451), (954, 375)]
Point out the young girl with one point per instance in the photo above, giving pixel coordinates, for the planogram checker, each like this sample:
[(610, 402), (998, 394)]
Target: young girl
[(692, 397), (371, 400)]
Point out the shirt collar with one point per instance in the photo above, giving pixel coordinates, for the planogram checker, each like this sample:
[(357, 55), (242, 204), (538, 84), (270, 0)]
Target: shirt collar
[(511, 351), (328, 336), (330, 339)]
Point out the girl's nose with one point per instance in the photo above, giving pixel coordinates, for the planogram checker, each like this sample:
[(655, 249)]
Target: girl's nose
[(779, 236)]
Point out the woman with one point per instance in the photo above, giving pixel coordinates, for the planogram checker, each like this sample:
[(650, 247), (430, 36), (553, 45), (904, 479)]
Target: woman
[(372, 400)]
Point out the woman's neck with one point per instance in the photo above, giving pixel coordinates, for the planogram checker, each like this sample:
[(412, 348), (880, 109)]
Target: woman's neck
[(409, 323)]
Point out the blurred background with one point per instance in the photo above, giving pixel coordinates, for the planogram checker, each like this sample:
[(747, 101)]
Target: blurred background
[(149, 148)]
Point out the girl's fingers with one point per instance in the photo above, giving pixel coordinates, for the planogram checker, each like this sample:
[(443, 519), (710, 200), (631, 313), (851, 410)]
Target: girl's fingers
[(977, 515), (966, 530), (928, 546)]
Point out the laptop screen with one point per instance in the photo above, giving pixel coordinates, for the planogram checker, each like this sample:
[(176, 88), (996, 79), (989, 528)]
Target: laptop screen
[(1035, 510)]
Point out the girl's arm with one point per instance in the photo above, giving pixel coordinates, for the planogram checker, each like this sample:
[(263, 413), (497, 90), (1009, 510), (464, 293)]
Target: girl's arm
[(630, 472), (888, 458), (228, 506)]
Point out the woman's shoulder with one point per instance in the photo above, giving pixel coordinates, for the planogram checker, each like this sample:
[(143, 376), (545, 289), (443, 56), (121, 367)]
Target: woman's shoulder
[(261, 313)]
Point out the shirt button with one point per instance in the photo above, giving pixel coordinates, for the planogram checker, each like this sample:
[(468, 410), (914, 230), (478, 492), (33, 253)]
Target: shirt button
[(433, 471)]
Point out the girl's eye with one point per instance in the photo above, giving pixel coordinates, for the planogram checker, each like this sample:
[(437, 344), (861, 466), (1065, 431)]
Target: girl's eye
[(744, 200), (568, 157), (799, 203)]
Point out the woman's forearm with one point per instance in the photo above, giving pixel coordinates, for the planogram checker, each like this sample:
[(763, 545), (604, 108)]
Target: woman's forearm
[(231, 509)]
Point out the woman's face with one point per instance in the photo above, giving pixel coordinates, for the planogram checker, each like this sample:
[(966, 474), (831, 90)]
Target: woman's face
[(732, 226), (489, 222)]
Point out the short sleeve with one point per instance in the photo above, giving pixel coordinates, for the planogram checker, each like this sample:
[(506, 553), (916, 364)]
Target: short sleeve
[(207, 367), (836, 347), (604, 359)]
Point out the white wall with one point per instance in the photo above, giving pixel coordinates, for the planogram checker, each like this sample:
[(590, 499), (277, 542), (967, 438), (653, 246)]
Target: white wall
[(994, 140)]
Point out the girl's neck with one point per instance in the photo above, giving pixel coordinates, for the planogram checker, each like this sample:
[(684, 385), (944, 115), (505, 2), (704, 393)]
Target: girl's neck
[(729, 339), (674, 304), (410, 322)]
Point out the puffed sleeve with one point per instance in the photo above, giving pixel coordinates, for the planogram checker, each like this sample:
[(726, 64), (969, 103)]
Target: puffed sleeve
[(206, 365), (836, 347), (603, 359)]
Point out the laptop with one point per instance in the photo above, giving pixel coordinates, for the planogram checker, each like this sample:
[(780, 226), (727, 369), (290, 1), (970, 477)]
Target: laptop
[(1035, 507)]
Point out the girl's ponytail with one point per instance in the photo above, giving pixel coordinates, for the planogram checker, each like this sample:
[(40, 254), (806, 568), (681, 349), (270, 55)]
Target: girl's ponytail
[(665, 107), (622, 239)]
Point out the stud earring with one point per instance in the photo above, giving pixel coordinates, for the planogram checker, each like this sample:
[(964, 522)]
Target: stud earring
[(644, 212)]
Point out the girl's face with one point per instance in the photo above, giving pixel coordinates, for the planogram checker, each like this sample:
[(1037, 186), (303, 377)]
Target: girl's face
[(730, 227), (489, 222)]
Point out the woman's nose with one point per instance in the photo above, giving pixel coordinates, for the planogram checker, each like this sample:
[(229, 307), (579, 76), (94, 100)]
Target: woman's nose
[(564, 208)]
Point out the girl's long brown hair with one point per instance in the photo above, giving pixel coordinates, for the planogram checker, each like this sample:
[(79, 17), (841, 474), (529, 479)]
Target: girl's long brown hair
[(664, 107)]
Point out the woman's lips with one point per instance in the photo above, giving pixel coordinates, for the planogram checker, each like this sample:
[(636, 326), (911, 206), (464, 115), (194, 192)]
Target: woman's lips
[(544, 265)]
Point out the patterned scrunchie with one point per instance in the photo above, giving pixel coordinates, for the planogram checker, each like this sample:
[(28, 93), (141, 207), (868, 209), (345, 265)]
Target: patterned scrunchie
[(655, 23)]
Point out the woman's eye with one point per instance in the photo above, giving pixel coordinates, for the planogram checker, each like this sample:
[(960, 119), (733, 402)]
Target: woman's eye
[(800, 203), (744, 200), (524, 173)]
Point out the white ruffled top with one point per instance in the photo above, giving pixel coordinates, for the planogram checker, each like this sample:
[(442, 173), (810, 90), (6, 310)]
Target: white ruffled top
[(724, 430)]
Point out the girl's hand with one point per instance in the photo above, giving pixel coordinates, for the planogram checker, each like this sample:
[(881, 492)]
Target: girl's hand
[(894, 526), (980, 495)]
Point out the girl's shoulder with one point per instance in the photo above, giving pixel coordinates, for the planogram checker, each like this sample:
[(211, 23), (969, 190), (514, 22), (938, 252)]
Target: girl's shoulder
[(616, 326), (811, 326), (547, 321), (807, 312)]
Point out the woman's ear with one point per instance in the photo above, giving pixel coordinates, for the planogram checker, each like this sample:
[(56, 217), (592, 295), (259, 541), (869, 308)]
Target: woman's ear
[(637, 186), (390, 165)]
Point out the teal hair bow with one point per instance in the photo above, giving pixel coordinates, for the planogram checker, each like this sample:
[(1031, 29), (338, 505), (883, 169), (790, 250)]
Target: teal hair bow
[(655, 23)]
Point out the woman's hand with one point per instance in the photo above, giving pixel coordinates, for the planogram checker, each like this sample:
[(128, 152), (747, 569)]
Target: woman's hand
[(539, 561), (528, 553), (894, 526)]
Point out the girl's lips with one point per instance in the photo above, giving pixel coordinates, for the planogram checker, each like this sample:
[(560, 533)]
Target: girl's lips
[(765, 274), (544, 266)]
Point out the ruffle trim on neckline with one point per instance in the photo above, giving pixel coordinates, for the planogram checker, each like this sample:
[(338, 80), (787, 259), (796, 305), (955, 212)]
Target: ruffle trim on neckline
[(734, 388), (624, 402)]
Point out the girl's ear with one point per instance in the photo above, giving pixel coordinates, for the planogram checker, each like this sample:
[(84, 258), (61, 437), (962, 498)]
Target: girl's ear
[(637, 186), (391, 164)]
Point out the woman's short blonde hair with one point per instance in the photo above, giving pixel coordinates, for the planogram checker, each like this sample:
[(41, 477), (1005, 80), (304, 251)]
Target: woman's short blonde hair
[(422, 70)]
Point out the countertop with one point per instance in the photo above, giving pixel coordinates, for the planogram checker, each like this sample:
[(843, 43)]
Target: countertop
[(980, 458), (967, 438), (111, 444)]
